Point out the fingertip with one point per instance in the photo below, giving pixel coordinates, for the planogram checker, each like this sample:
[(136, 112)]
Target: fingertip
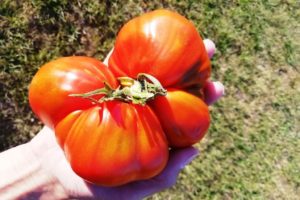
[(219, 88), (107, 57), (213, 91), (210, 47)]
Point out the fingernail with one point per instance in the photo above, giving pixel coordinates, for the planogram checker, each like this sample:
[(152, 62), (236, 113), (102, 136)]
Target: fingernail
[(220, 88), (210, 47)]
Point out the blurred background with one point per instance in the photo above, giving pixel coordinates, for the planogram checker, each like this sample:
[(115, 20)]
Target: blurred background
[(252, 149)]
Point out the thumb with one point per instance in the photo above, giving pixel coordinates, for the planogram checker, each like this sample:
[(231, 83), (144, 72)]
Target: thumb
[(107, 57)]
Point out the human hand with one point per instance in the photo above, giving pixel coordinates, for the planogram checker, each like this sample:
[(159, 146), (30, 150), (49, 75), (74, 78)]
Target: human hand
[(54, 163)]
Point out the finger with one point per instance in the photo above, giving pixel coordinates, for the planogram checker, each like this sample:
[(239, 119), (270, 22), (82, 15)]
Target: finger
[(178, 160), (107, 57), (210, 47), (213, 91)]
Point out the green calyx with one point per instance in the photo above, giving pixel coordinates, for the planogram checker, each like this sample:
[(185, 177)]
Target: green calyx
[(138, 91)]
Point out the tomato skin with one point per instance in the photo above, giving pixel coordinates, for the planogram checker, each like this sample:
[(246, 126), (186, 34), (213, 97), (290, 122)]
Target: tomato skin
[(163, 44), (51, 86), (114, 143), (183, 116)]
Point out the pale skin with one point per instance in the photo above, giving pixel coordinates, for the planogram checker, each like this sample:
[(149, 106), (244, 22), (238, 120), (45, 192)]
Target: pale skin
[(39, 170)]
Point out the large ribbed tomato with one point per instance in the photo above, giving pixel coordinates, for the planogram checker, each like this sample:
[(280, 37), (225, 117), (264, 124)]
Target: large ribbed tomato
[(111, 143), (116, 123), (114, 143)]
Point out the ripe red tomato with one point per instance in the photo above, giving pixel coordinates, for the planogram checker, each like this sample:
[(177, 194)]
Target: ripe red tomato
[(114, 143), (120, 136), (163, 44), (109, 144)]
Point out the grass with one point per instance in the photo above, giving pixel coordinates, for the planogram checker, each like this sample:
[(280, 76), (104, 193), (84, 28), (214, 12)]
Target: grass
[(252, 148)]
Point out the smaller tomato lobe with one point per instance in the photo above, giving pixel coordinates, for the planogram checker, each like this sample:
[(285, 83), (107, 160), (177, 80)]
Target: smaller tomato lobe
[(50, 88), (163, 44), (183, 116)]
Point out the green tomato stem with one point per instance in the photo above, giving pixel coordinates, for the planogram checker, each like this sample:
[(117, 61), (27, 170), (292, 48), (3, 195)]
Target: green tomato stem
[(139, 91)]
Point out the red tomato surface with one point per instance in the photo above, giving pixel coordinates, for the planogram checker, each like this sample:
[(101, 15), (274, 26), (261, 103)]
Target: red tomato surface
[(184, 117), (114, 144), (163, 44), (109, 144), (166, 45), (51, 86)]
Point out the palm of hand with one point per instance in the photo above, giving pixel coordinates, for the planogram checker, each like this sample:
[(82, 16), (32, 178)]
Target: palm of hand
[(54, 162)]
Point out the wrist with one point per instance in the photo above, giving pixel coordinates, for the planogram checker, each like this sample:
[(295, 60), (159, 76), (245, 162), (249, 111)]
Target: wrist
[(47, 153), (23, 176)]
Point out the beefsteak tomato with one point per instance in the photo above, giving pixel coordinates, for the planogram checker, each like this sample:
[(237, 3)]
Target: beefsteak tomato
[(122, 132), (109, 144), (114, 143)]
